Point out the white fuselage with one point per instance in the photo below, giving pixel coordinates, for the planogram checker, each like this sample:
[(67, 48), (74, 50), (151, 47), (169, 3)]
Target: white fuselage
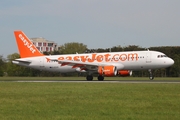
[(133, 60)]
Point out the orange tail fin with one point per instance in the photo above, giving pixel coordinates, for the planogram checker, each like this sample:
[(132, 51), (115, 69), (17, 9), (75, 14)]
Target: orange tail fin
[(25, 46)]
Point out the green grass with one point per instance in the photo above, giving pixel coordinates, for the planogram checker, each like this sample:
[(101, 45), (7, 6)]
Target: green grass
[(89, 101), (83, 78)]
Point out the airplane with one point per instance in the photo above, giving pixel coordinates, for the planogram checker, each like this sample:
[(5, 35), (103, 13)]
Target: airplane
[(103, 64)]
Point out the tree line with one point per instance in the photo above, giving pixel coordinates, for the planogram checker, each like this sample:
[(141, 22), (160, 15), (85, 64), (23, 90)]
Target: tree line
[(7, 68)]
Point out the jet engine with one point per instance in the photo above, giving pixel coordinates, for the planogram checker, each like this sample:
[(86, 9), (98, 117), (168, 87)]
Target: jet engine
[(107, 70), (125, 73)]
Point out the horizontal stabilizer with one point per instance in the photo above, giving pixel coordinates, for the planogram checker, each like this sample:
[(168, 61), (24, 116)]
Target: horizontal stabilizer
[(20, 61)]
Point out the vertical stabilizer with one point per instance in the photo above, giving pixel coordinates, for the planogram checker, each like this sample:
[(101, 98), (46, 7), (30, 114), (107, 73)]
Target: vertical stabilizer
[(25, 46)]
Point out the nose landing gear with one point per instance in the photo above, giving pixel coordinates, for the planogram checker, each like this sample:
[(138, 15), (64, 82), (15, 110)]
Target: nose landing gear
[(151, 76)]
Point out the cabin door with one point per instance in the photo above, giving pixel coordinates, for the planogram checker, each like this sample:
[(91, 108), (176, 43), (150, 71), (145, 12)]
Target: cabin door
[(41, 63), (148, 57)]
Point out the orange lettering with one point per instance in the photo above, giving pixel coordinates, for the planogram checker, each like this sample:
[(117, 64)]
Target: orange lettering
[(123, 57), (107, 57), (76, 58), (83, 58), (93, 58), (114, 57), (99, 58), (61, 58), (68, 58)]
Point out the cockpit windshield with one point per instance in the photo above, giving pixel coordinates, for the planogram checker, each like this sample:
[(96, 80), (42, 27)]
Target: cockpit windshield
[(161, 56)]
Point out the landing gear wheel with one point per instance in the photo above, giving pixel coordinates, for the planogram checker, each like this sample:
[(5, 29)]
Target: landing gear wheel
[(100, 78), (151, 77), (89, 77)]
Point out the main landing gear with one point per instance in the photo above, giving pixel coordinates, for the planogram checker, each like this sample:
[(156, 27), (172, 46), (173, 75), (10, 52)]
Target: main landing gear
[(100, 78), (90, 78), (151, 77)]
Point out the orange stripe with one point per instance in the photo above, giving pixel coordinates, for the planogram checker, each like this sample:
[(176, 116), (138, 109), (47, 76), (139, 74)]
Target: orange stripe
[(77, 65), (65, 63)]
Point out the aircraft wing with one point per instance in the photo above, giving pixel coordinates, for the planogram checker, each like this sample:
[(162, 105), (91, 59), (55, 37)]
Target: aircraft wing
[(83, 63), (87, 64)]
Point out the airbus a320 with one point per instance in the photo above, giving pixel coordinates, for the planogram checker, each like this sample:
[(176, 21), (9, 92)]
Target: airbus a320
[(103, 64)]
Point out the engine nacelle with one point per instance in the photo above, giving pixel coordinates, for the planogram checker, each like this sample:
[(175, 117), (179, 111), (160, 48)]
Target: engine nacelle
[(107, 70), (125, 73)]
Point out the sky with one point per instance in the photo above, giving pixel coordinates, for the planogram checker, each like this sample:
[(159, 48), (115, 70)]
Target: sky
[(95, 23)]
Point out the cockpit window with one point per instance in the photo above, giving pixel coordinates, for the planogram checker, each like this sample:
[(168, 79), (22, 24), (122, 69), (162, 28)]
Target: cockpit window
[(161, 56)]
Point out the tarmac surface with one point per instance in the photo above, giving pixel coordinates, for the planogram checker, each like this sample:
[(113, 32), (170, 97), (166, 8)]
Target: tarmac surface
[(95, 81)]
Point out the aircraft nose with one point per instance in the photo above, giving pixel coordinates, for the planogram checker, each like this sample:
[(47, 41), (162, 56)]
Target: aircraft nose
[(170, 61)]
